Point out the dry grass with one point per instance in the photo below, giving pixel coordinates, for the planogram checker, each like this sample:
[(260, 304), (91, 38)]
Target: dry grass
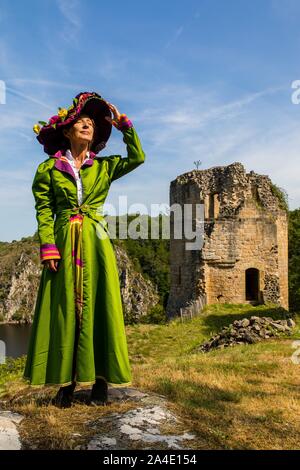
[(246, 397), (47, 427), (255, 407)]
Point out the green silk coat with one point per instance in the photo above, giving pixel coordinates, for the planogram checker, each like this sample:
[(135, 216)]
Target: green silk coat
[(102, 346)]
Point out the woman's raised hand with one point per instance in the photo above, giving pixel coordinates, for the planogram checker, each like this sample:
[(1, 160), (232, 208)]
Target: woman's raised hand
[(116, 113)]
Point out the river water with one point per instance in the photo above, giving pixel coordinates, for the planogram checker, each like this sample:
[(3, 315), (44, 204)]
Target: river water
[(15, 338)]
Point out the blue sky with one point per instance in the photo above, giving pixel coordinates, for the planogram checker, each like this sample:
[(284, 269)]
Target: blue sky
[(201, 80)]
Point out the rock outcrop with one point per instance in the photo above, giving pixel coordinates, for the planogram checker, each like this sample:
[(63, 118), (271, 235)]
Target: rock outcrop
[(20, 275), (248, 331)]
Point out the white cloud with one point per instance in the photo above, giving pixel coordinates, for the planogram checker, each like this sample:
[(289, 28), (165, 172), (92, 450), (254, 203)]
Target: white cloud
[(256, 129), (185, 26), (70, 10), (178, 33), (43, 83), (32, 99)]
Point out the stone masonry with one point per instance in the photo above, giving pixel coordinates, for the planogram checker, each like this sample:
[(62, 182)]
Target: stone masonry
[(244, 257)]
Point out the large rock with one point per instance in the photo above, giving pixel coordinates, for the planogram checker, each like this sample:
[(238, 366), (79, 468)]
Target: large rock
[(9, 436), (141, 428)]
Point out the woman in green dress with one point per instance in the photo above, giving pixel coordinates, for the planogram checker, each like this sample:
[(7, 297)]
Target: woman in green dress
[(78, 332)]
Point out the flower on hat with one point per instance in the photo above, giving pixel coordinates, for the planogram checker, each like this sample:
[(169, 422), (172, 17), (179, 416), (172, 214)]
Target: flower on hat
[(36, 128), (54, 119), (63, 112)]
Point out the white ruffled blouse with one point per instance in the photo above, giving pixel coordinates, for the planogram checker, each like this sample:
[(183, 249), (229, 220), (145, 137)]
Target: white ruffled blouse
[(77, 175)]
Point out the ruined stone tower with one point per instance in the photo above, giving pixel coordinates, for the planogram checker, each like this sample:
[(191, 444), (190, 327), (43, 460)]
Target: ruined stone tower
[(244, 257)]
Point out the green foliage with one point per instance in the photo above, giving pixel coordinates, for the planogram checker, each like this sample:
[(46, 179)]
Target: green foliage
[(35, 237), (19, 314), (11, 370), (294, 260), (150, 257), (156, 315), (281, 195)]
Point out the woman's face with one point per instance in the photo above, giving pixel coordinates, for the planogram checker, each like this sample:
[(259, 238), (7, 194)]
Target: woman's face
[(82, 130)]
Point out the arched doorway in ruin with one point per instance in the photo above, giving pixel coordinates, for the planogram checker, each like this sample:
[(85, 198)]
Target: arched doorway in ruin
[(252, 284)]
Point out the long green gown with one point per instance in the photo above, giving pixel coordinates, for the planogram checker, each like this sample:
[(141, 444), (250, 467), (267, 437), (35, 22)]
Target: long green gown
[(78, 330)]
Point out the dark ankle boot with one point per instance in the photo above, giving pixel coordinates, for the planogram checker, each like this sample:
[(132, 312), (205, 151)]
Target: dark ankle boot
[(99, 394), (64, 396)]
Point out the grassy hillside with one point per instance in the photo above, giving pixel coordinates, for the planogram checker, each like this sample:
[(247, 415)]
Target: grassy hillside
[(244, 397)]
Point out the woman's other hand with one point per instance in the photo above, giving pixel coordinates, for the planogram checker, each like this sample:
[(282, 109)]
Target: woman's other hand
[(51, 264)]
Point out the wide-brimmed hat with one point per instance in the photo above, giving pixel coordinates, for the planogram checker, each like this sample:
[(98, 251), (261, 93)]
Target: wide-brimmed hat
[(51, 136)]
